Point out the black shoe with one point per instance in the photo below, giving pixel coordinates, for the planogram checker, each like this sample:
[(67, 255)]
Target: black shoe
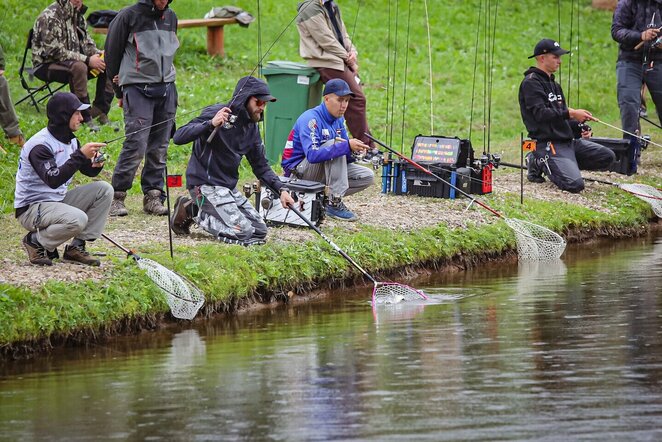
[(534, 171), (36, 252), (53, 255)]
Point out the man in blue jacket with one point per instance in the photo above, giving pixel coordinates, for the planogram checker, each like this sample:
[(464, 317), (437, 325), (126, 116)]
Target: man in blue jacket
[(140, 50), (213, 169), (318, 149)]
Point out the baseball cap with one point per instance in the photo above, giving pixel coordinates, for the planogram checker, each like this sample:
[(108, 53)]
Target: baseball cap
[(337, 86), (548, 46), (265, 97)]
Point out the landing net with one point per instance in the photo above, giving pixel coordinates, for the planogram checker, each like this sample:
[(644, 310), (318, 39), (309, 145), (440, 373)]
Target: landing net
[(535, 242), (647, 193), (393, 293), (183, 297)]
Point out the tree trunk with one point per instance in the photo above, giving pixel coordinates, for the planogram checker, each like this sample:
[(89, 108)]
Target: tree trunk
[(605, 4)]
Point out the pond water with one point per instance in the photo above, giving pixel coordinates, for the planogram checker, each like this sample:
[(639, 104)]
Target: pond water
[(539, 351)]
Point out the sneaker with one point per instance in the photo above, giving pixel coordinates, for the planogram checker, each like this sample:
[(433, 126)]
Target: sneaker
[(79, 254), (182, 218), (534, 171), (36, 253), (152, 203), (340, 211)]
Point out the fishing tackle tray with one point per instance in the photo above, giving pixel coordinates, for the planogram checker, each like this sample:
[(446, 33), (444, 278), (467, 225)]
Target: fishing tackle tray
[(625, 163), (308, 197)]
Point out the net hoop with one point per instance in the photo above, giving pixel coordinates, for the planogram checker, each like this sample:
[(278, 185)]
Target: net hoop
[(536, 242), (646, 193), (393, 293), (183, 298)]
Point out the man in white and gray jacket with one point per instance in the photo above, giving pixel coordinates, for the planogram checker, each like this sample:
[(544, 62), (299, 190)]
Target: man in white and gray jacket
[(326, 46), (44, 206)]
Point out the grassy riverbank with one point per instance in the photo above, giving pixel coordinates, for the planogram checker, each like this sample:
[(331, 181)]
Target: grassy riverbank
[(38, 306)]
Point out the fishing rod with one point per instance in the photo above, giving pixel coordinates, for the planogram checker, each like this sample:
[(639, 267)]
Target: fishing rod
[(650, 121), (645, 140)]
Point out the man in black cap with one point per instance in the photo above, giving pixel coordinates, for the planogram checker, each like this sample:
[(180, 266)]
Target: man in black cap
[(636, 27), (547, 118), (213, 169), (44, 206), (318, 149)]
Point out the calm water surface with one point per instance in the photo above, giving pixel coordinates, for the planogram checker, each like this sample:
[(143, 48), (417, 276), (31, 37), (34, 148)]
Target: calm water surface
[(556, 351)]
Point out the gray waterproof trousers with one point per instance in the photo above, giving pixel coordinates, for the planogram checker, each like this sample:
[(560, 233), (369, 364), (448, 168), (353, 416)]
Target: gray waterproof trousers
[(226, 213), (630, 75), (82, 214), (142, 141), (563, 160), (342, 178)]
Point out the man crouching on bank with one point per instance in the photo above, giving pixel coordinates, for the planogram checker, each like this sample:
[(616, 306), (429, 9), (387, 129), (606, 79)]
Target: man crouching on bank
[(213, 169), (51, 214)]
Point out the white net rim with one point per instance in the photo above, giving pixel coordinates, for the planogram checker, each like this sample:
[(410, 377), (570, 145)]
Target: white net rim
[(535, 242), (646, 193), (394, 292)]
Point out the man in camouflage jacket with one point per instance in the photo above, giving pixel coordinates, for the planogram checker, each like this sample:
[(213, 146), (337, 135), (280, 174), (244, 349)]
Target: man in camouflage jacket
[(8, 118), (63, 51)]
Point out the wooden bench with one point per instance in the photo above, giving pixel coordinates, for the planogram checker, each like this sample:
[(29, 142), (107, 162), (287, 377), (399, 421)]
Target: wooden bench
[(215, 38)]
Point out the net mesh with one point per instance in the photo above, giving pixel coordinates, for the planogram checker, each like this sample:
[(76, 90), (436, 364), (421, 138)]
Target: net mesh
[(393, 293), (183, 297), (647, 193), (535, 242)]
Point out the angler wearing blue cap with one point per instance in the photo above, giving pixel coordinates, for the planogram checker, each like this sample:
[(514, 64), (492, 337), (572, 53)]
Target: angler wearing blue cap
[(318, 149)]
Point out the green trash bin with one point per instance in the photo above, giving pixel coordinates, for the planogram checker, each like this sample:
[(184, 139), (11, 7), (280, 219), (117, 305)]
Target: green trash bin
[(297, 88)]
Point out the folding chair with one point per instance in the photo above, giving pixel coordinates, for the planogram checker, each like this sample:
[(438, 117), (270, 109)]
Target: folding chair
[(26, 72)]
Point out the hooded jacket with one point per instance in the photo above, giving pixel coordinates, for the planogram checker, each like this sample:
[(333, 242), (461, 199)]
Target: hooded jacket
[(48, 162), (60, 34), (141, 45), (543, 107), (631, 18), (217, 163)]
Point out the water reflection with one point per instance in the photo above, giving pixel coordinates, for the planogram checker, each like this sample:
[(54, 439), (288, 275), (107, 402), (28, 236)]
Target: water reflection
[(562, 350)]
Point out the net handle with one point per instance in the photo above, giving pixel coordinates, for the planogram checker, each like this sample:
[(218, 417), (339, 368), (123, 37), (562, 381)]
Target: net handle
[(342, 253), (429, 172)]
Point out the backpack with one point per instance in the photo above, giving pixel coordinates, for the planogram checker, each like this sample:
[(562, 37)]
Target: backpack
[(101, 19)]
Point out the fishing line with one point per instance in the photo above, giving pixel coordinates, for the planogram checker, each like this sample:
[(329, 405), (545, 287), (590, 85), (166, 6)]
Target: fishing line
[(427, 23), (395, 64), (491, 80), (473, 83), (404, 91), (388, 67)]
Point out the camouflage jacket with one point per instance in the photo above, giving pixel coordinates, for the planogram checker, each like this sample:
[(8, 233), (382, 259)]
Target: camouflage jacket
[(60, 33), (2, 59)]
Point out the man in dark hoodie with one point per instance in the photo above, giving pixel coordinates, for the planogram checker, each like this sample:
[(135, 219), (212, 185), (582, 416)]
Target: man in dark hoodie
[(140, 49), (547, 118), (637, 24), (44, 206), (213, 169)]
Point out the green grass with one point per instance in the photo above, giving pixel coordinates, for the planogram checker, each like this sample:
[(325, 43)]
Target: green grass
[(228, 272)]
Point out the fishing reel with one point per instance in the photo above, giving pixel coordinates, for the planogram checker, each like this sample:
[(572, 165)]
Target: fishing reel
[(100, 157), (644, 143), (229, 124), (583, 127), (251, 189), (488, 158)]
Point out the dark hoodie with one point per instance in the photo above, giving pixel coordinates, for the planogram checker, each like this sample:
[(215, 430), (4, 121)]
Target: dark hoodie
[(631, 18), (543, 107), (217, 163)]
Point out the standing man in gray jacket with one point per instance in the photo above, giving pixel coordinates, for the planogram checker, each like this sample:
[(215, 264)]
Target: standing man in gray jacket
[(140, 49), (325, 44)]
